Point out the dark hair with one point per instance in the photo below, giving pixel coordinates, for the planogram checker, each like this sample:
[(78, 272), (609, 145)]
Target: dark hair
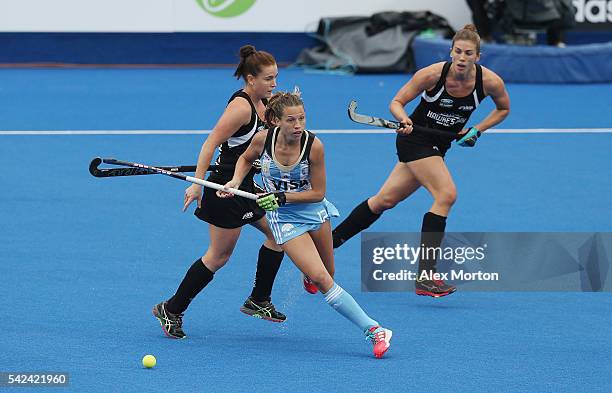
[(468, 33), (277, 104), (251, 61)]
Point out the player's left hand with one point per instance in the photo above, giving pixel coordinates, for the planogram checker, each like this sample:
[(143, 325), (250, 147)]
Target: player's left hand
[(271, 201), (229, 184), (469, 137)]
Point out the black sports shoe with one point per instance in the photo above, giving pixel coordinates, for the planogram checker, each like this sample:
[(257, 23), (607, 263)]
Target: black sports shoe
[(263, 310), (172, 324), (433, 288)]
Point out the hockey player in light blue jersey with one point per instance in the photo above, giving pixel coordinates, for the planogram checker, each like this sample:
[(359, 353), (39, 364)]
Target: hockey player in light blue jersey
[(293, 172)]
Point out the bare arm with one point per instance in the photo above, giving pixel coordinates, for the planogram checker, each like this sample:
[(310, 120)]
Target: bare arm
[(424, 79), (494, 86), (245, 161), (317, 177), (237, 113)]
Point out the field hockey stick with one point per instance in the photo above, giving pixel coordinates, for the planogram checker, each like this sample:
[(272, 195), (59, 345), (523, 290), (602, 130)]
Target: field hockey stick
[(129, 171), (380, 122), (180, 176)]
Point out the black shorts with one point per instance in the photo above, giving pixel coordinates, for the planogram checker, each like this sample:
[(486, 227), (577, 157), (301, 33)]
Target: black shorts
[(410, 150), (229, 212)]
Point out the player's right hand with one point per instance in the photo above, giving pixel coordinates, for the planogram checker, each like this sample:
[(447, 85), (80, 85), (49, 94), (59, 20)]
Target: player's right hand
[(193, 193), (405, 126)]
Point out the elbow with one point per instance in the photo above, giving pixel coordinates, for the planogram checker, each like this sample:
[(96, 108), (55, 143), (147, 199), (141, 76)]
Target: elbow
[(394, 103), (505, 112), (208, 147), (318, 196)]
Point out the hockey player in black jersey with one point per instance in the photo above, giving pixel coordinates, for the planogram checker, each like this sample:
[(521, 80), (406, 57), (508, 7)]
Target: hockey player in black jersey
[(450, 92)]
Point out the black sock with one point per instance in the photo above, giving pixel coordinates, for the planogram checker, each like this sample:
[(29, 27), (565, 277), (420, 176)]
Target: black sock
[(197, 277), (432, 233), (268, 263), (360, 218)]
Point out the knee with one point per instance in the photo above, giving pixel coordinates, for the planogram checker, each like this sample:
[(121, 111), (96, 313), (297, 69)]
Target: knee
[(215, 260), (447, 197), (380, 203), (322, 280)]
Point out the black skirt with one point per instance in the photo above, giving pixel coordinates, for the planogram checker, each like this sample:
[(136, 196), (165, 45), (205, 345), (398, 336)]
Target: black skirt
[(412, 149), (229, 212)]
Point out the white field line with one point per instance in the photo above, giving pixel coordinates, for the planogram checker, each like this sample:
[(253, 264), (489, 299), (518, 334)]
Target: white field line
[(373, 131)]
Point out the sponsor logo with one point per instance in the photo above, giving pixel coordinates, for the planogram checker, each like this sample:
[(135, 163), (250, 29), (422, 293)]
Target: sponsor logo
[(225, 8), (446, 103), (446, 119), (593, 11), (290, 185), (247, 215), (466, 107), (436, 148)]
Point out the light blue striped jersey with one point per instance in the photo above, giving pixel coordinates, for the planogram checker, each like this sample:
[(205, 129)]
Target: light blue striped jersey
[(292, 178)]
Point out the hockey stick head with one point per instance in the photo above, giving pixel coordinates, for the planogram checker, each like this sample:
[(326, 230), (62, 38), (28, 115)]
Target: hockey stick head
[(113, 172), (93, 166), (351, 109), (370, 120)]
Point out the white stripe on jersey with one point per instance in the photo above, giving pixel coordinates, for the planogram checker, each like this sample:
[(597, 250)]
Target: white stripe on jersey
[(239, 140), (476, 102), (427, 98)]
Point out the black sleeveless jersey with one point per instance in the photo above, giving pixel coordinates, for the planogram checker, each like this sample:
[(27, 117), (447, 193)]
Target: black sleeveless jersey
[(230, 150), (438, 109)]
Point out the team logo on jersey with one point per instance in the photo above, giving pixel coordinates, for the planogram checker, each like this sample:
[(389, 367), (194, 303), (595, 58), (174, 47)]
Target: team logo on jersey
[(446, 103), (225, 8), (288, 229), (265, 166)]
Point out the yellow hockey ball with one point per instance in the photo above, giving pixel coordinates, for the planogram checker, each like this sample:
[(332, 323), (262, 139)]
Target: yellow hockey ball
[(149, 361)]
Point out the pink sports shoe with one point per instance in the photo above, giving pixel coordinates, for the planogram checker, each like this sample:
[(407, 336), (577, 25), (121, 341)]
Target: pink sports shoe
[(309, 285), (381, 338)]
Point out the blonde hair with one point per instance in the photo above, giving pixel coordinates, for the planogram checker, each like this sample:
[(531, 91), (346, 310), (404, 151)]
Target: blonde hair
[(277, 104), (468, 33)]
